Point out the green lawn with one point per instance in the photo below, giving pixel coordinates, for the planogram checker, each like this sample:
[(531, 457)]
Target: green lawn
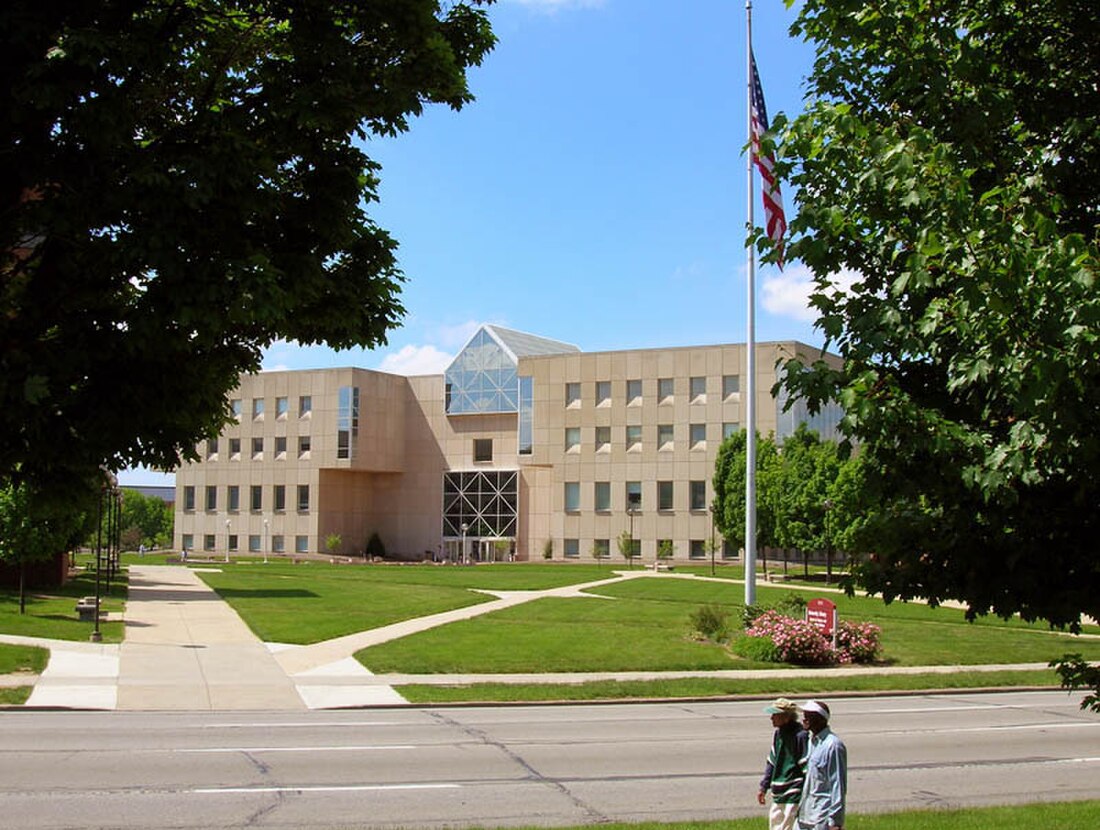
[(645, 628), (29, 659), (315, 601), (1071, 815), (52, 613)]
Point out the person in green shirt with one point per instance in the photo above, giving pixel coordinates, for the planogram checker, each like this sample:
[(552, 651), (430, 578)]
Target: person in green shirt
[(784, 771)]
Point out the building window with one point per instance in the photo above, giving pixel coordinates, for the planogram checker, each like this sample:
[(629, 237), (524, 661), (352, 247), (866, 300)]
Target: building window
[(526, 428), (664, 437), (208, 542), (282, 407), (633, 495), (633, 393), (666, 549), (698, 495), (483, 450), (278, 543), (603, 393), (188, 542), (698, 436), (280, 447), (211, 498), (729, 550), (301, 544), (730, 428), (572, 439), (601, 548), (486, 501), (603, 439), (303, 498), (698, 390), (572, 395), (279, 497), (232, 543), (602, 496), (212, 449), (234, 449), (665, 389), (256, 498), (303, 446), (347, 421), (257, 408), (254, 543), (572, 496), (189, 497), (233, 498), (305, 405), (731, 387), (572, 548), (633, 438), (698, 549), (664, 495), (257, 449), (235, 408)]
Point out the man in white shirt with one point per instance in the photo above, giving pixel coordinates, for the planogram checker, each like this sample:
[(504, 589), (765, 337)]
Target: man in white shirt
[(826, 787)]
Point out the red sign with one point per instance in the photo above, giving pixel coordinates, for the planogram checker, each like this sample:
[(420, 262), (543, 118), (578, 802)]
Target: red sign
[(821, 614)]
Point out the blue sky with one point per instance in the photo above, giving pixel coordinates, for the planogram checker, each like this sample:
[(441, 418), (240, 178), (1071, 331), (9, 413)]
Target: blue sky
[(593, 193)]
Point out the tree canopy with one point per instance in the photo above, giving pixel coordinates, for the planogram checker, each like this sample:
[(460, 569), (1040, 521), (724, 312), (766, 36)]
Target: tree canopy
[(949, 160), (181, 183)]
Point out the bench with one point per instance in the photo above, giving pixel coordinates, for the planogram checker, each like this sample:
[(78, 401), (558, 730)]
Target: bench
[(85, 607)]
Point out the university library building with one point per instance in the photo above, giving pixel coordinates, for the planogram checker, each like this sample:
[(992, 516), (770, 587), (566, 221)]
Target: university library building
[(524, 449)]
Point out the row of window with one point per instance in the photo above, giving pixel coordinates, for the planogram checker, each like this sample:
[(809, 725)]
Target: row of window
[(697, 437), (601, 549), (666, 496), (665, 391), (255, 498), (255, 543), (282, 407), (233, 446)]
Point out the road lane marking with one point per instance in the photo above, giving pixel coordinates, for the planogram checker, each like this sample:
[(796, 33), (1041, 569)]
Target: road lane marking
[(361, 748), (324, 788)]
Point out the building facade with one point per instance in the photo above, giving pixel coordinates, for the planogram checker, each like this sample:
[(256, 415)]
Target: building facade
[(525, 448)]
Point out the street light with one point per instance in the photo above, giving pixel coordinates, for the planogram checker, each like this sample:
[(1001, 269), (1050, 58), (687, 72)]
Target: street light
[(228, 528), (465, 527), (632, 500), (265, 541)]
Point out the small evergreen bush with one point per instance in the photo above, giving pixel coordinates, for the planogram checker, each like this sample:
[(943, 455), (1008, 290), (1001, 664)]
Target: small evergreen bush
[(712, 621)]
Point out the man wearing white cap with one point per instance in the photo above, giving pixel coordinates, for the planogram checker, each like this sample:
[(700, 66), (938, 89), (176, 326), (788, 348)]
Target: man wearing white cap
[(784, 769), (826, 786)]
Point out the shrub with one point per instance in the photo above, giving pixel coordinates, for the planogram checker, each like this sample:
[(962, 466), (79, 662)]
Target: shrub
[(712, 621), (796, 641), (792, 605), (760, 649), (857, 642)]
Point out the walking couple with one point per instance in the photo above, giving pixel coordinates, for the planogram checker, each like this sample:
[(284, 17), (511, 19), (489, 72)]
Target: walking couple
[(806, 770)]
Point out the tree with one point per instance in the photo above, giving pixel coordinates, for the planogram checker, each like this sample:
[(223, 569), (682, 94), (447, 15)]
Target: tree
[(182, 183), (628, 547), (949, 161), (33, 529), (729, 489), (145, 520)]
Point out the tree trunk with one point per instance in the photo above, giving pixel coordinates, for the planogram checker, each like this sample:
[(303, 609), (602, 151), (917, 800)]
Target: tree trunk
[(22, 587)]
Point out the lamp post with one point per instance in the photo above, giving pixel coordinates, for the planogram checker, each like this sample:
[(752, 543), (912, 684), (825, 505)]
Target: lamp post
[(265, 541), (630, 512), (228, 528), (710, 512), (462, 557)]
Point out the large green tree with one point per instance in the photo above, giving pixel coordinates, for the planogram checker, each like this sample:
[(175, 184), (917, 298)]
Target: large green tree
[(949, 158), (183, 182)]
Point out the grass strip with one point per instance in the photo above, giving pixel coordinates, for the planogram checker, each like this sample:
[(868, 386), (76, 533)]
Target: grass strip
[(1067, 815), (702, 687), (30, 659), (51, 613), (15, 695)]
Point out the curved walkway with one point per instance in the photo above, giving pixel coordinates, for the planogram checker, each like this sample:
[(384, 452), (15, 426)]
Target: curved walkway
[(187, 649)]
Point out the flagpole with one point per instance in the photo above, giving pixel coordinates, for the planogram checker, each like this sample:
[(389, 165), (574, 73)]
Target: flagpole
[(750, 347)]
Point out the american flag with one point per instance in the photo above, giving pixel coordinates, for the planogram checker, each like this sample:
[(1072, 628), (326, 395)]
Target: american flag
[(774, 218)]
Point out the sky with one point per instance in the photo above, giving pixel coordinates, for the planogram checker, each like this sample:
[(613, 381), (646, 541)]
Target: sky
[(594, 192)]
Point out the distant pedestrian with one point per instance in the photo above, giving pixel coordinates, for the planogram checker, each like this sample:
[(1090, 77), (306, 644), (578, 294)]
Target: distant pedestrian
[(784, 771), (141, 549), (826, 787)]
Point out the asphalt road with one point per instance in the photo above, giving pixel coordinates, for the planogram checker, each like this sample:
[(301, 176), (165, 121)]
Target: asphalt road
[(532, 765)]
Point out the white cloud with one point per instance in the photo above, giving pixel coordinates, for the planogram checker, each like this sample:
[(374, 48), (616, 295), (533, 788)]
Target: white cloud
[(416, 360), (455, 337), (787, 294)]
